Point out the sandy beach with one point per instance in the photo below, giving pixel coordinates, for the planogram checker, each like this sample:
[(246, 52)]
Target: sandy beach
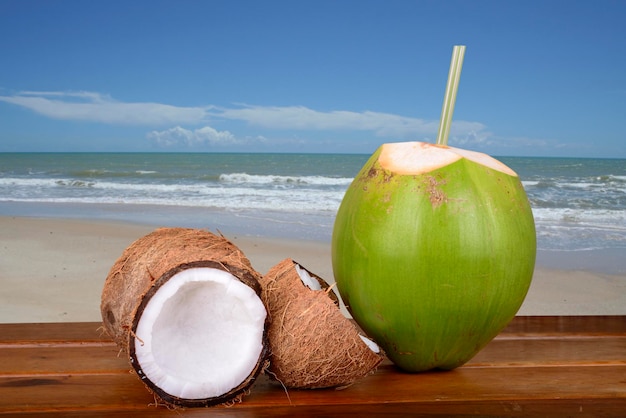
[(53, 270)]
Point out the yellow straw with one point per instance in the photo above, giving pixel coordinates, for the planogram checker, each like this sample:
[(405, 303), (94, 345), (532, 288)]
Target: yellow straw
[(450, 98)]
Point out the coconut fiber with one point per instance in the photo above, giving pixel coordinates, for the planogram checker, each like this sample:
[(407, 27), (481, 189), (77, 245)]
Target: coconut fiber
[(312, 344)]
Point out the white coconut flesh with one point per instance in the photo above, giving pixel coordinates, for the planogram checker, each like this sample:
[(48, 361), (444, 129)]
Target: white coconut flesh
[(306, 278), (421, 157), (370, 344), (201, 334)]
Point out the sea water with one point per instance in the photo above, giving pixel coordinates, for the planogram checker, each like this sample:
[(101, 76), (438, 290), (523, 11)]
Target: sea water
[(578, 203)]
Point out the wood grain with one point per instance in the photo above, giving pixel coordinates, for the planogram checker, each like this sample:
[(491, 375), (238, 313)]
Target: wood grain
[(547, 366)]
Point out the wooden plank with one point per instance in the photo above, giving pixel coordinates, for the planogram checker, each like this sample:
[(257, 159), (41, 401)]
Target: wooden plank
[(522, 408), (480, 390), (53, 333), (50, 356), (551, 351), (46, 360), (527, 326), (557, 366), (565, 326), (499, 353)]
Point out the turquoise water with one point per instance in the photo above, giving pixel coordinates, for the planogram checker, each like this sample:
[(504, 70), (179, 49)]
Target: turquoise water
[(578, 204)]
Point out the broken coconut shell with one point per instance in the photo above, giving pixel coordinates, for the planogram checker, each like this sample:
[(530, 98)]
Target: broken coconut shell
[(184, 305), (312, 344)]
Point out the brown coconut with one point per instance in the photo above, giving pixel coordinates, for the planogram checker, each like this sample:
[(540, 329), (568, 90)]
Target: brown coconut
[(185, 306), (312, 344)]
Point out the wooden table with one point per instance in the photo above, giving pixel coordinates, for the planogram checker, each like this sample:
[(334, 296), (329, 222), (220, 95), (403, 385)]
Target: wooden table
[(545, 366)]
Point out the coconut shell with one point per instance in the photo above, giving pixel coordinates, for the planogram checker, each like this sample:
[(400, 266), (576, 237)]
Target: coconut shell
[(312, 344), (145, 266)]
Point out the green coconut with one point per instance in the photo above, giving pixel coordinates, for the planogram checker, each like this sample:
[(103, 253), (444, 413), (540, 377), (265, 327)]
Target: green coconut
[(433, 252)]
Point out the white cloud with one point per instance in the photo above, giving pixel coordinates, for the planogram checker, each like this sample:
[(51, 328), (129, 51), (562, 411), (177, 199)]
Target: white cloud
[(464, 134), (382, 124), (303, 118), (96, 107), (179, 136)]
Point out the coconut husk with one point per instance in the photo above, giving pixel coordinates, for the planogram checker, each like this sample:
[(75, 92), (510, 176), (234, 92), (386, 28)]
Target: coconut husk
[(146, 265), (312, 344)]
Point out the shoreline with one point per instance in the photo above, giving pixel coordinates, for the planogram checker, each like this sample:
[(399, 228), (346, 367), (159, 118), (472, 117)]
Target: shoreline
[(53, 269), (272, 225)]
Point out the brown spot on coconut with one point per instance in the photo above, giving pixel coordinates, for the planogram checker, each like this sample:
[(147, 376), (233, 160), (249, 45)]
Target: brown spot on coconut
[(312, 344), (185, 306)]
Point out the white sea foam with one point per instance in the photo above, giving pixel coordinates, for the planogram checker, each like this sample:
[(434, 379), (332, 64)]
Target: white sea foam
[(272, 179), (569, 215), (193, 195), (577, 204), (577, 229)]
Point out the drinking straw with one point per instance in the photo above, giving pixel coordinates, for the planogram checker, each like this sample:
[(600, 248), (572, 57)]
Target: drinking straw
[(450, 98)]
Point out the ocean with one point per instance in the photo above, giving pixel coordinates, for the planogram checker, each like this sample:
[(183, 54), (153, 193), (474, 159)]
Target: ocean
[(579, 204)]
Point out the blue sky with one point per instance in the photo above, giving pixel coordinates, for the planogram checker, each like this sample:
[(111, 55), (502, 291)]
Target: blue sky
[(540, 78)]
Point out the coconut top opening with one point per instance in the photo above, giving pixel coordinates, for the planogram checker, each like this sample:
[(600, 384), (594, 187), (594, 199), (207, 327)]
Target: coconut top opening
[(422, 157), (201, 334)]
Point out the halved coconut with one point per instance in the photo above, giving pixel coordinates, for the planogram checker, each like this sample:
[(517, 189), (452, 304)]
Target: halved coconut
[(185, 305), (312, 344)]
